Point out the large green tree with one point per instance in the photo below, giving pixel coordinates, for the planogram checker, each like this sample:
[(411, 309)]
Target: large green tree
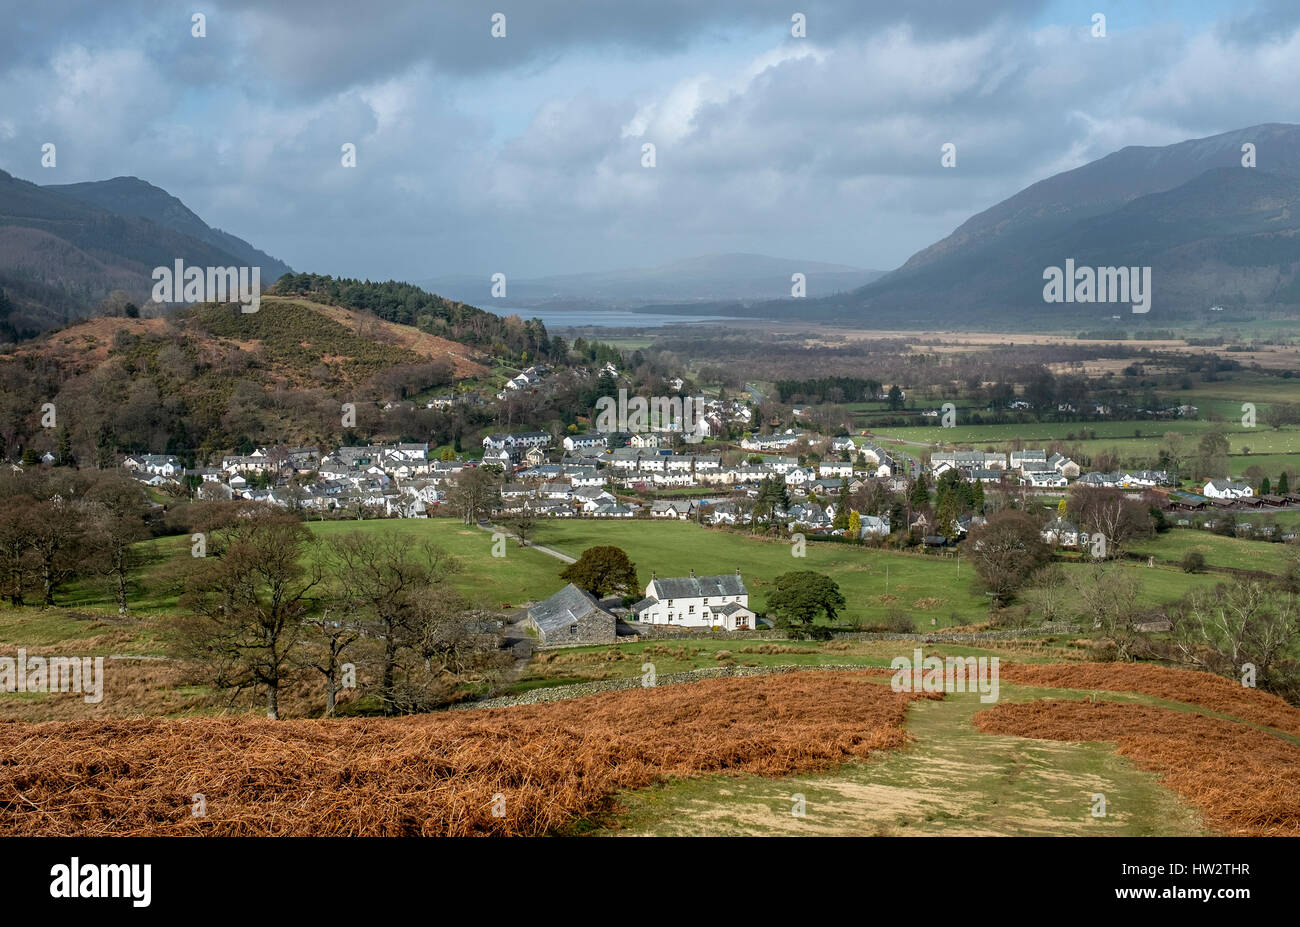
[(602, 571), (801, 596)]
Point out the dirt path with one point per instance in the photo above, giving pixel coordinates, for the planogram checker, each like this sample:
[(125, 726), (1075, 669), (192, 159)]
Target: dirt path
[(546, 550), (952, 781)]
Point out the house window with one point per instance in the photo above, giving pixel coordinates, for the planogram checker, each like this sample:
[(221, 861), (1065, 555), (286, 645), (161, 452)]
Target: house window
[(692, 610), (573, 630)]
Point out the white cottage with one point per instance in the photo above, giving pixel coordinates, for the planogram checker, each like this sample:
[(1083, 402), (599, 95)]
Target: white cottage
[(697, 602)]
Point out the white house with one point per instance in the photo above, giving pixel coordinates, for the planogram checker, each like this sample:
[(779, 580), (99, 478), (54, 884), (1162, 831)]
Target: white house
[(155, 464), (697, 602), (584, 442), (834, 468), (1062, 533), (683, 511), (1064, 465), (1029, 460), (1045, 479), (799, 477), (873, 526), (1227, 489)]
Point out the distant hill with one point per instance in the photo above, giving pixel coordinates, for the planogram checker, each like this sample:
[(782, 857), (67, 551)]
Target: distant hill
[(1212, 231), (63, 249), (131, 196), (702, 279)]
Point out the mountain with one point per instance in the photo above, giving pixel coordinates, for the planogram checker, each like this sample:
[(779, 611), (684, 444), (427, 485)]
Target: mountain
[(61, 254), (131, 196), (700, 279), (1212, 231)]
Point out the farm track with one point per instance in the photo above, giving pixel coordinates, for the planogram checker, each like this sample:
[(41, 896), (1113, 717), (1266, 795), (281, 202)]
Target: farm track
[(545, 550)]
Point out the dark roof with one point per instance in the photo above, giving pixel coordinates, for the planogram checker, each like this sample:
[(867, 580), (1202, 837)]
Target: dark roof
[(562, 609), (731, 608), (688, 587)]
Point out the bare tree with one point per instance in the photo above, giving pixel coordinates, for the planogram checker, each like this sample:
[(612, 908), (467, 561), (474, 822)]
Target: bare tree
[(248, 601), (116, 522), (1050, 594), (384, 580), (1224, 628), (1007, 550), (475, 494), (331, 639), (521, 526), (1107, 594), (1111, 513)]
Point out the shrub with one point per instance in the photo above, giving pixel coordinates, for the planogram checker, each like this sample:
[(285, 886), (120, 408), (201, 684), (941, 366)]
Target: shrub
[(1102, 650), (899, 622), (1193, 561)]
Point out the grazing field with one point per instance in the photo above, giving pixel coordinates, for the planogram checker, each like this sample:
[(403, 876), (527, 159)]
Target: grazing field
[(518, 771), (487, 581), (928, 587), (1219, 551), (1134, 440), (875, 582)]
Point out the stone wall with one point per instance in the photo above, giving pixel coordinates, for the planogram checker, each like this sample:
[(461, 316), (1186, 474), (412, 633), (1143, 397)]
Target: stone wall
[(955, 637), (669, 632), (597, 686)]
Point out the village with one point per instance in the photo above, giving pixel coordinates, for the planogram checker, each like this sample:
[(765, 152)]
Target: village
[(653, 475)]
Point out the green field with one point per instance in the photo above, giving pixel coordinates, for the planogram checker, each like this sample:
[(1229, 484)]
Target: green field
[(1233, 553), (936, 591), (873, 581)]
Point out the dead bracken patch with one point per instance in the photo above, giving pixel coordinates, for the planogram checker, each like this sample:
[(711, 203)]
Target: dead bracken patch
[(538, 766), (1244, 781), (1196, 688)]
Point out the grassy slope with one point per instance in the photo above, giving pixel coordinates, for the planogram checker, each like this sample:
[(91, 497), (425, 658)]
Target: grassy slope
[(953, 780)]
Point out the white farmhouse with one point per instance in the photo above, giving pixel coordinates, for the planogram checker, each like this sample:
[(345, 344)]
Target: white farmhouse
[(1227, 489), (697, 602)]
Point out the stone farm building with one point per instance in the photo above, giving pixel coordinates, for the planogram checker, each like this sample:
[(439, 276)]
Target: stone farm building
[(569, 618), (697, 602)]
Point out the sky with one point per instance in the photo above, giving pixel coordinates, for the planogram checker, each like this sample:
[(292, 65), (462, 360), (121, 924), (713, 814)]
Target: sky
[(523, 154)]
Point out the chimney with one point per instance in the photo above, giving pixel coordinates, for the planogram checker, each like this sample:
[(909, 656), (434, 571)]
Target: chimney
[(737, 571), (692, 573), (653, 575)]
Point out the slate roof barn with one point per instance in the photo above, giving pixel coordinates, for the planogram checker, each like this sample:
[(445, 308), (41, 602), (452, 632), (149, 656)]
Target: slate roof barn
[(571, 617)]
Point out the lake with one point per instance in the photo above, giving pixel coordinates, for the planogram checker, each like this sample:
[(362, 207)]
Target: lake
[(608, 318)]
